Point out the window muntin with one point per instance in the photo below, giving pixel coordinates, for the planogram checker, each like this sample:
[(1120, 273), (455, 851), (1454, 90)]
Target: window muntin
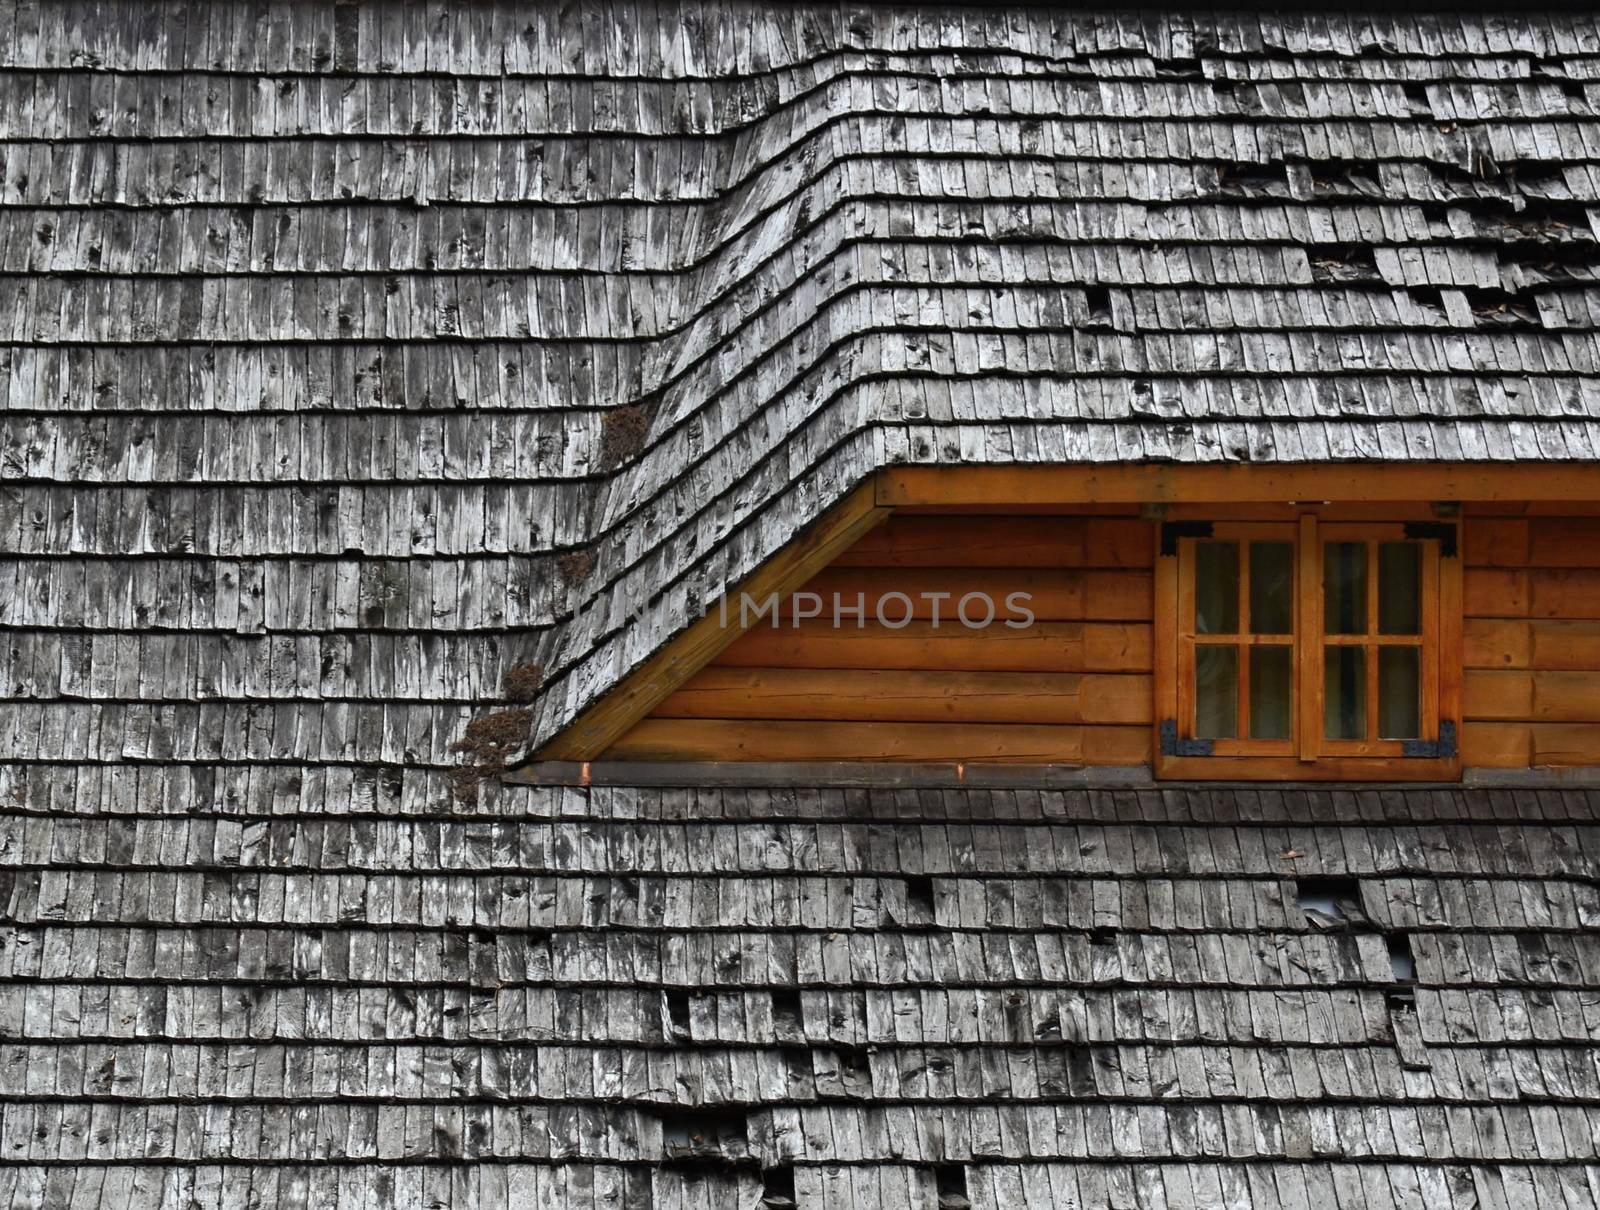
[(1305, 643), (1236, 637)]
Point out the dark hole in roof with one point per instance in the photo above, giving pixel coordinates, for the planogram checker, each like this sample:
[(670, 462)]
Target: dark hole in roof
[(1178, 69), (1330, 903), (677, 1012), (1503, 308), (1401, 1000), (951, 1182), (855, 1072), (1341, 263), (919, 895), (1251, 180), (777, 1186), (1103, 935), (1435, 212), (1344, 176), (1550, 218), (1098, 300), (1080, 1070), (787, 1010), (1430, 297), (1417, 97), (1401, 958), (1536, 177), (703, 1135)]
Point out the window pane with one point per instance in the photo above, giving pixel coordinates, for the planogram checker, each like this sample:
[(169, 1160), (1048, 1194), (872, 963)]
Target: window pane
[(1344, 592), (1269, 692), (1216, 587), (1271, 588), (1344, 688), (1216, 692), (1399, 693), (1399, 588)]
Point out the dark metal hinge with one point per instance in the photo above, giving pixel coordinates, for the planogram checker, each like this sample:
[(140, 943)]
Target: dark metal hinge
[(1171, 745), (1444, 531), (1433, 749), (1171, 531)]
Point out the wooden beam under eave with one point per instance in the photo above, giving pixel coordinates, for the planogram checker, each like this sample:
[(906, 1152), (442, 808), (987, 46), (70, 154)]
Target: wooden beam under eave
[(607, 720), (1156, 483)]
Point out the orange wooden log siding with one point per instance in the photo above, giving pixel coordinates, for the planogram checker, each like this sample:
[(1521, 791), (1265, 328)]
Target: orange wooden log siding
[(1076, 687), (1531, 683), (1073, 688)]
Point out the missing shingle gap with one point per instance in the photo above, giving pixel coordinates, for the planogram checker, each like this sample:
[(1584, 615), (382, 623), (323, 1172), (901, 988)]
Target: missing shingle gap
[(1501, 307), (920, 894), (1330, 903), (787, 1011), (950, 1181), (1430, 297), (1341, 263), (1098, 300), (1102, 936), (1331, 176), (1179, 69), (1556, 71), (777, 1187), (1401, 960), (695, 1138), (1435, 214), (1544, 217), (675, 1008), (1245, 180), (1417, 97)]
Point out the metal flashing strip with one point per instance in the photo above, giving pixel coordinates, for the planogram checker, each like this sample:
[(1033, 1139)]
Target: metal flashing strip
[(841, 774), (1539, 777), (894, 775)]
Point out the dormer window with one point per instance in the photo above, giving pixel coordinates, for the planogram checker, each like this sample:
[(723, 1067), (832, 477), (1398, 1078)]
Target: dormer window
[(1308, 649)]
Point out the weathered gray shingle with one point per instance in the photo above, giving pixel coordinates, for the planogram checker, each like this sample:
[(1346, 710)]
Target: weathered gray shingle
[(354, 358)]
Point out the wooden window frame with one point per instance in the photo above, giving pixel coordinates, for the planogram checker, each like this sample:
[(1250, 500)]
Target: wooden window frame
[(1308, 755)]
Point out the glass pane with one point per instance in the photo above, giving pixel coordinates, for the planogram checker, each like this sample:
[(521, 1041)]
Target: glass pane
[(1344, 588), (1216, 587), (1216, 692), (1271, 588), (1269, 692), (1399, 588), (1344, 688), (1399, 693)]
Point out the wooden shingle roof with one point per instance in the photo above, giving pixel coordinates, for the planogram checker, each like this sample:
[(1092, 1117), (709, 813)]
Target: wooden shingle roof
[(355, 358), (335, 998)]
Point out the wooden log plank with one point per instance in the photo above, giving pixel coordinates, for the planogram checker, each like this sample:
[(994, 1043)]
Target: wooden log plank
[(910, 696), (1042, 647), (1564, 593), (1497, 695), (1566, 743), (1497, 643), (1495, 543), (978, 541), (1064, 595), (604, 722), (1564, 542), (1490, 745), (739, 739), (1496, 593), (1547, 643), (1566, 697), (1168, 483), (1565, 644)]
